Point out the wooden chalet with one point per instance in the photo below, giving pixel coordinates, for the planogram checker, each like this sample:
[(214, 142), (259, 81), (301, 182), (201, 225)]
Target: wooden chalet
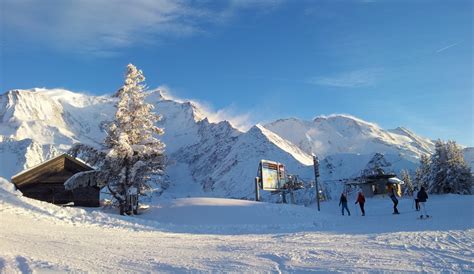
[(45, 182)]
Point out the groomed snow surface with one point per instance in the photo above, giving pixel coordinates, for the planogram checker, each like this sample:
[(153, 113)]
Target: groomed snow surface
[(222, 235)]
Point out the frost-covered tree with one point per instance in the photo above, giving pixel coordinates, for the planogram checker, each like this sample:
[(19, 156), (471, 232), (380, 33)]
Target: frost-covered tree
[(376, 166), (135, 153), (422, 173), (449, 173), (405, 177)]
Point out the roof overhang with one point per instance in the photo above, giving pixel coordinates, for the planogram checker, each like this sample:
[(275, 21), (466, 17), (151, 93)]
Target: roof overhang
[(56, 164)]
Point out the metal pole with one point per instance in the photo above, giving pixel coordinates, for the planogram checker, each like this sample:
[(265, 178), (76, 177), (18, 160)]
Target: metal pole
[(257, 190), (316, 175)]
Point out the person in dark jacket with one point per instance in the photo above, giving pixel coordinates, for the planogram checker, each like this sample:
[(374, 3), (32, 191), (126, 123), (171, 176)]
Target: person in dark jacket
[(415, 198), (422, 197), (343, 202), (393, 196), (361, 201)]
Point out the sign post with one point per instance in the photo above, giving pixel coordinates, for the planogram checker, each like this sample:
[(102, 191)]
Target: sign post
[(316, 175), (257, 189)]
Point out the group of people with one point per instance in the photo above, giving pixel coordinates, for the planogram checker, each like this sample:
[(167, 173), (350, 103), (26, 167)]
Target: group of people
[(419, 197), (360, 200)]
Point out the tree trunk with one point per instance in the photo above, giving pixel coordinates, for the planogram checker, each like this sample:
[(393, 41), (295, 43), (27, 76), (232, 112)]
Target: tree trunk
[(126, 186)]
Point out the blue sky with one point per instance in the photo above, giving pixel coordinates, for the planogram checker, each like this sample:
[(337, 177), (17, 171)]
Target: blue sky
[(395, 63)]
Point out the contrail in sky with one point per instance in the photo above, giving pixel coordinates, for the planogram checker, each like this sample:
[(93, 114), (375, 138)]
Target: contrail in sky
[(447, 47)]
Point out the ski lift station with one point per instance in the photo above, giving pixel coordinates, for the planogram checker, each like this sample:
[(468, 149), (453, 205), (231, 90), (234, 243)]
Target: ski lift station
[(378, 184)]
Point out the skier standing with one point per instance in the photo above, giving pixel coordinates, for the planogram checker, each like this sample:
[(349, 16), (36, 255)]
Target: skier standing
[(422, 197), (415, 198), (391, 193), (361, 201), (343, 202)]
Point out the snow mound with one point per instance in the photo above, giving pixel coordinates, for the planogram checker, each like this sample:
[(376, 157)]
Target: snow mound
[(8, 187), (226, 214), (12, 202)]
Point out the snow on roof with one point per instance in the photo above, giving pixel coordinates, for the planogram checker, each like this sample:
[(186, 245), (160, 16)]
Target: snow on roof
[(395, 180), (82, 179)]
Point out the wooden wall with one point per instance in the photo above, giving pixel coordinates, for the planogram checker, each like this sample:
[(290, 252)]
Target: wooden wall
[(86, 196), (48, 192)]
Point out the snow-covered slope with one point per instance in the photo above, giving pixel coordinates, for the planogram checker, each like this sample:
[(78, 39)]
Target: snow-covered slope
[(212, 159), (226, 161), (17, 155), (229, 235), (336, 134), (350, 165), (56, 117)]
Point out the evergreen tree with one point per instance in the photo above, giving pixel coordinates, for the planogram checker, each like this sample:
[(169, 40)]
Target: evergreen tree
[(405, 177), (378, 165), (135, 154), (422, 173), (448, 171)]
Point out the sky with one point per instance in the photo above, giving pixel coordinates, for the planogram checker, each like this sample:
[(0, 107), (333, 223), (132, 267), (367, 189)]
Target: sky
[(394, 63)]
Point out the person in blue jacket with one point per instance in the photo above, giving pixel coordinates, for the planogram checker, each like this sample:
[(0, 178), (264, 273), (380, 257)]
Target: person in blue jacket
[(343, 202)]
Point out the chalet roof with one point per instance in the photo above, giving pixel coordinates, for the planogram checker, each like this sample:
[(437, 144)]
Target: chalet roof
[(380, 176), (53, 165), (370, 179)]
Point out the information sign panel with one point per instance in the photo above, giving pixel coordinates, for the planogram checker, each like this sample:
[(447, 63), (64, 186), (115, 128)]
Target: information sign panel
[(272, 173)]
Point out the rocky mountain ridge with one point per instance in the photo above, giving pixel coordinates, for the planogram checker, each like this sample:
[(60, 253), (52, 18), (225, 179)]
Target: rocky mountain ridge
[(211, 159)]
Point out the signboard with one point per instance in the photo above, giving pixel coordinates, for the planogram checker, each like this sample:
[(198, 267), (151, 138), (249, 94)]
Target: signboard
[(272, 174)]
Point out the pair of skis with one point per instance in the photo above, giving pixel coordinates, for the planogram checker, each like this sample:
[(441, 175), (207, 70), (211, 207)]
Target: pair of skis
[(424, 217), (421, 217)]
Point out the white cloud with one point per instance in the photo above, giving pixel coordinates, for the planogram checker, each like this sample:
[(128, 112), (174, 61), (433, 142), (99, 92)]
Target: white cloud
[(103, 26), (98, 25), (237, 120), (241, 121), (351, 79)]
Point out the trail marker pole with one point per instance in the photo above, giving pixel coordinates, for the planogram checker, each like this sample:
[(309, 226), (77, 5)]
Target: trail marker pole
[(257, 190), (316, 175)]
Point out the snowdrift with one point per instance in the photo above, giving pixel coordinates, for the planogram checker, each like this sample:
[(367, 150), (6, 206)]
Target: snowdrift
[(233, 216)]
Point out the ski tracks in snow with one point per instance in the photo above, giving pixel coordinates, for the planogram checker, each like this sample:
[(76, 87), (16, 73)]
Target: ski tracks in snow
[(444, 250), (36, 236), (72, 247)]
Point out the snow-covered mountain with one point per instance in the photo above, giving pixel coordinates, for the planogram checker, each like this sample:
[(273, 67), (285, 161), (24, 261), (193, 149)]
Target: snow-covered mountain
[(336, 134), (211, 159)]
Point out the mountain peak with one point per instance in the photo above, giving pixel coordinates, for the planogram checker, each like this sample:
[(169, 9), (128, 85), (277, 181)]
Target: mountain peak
[(261, 133), (403, 131), (342, 133), (342, 118)]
